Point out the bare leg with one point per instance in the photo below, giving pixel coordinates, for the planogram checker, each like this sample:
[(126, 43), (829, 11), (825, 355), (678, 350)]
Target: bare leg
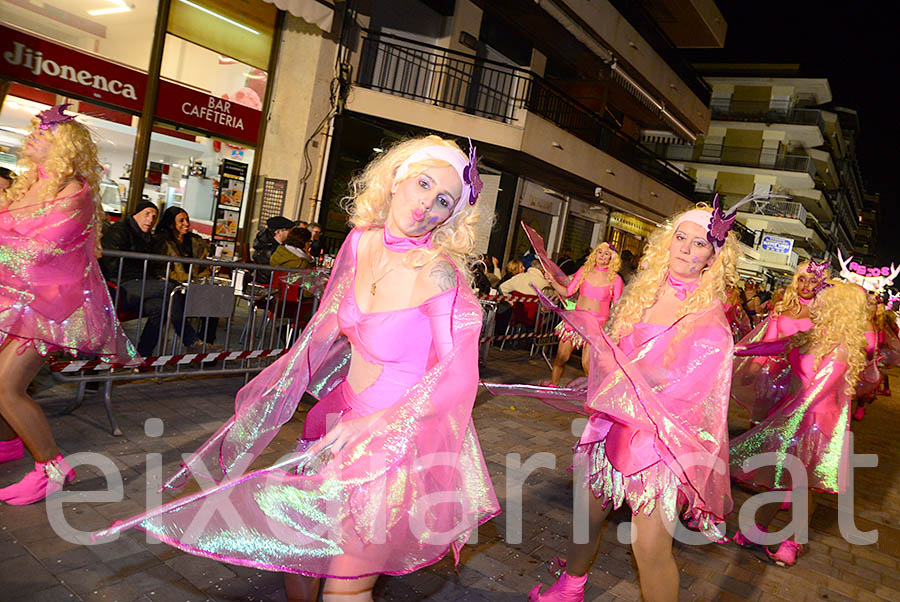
[(18, 409), (299, 588), (652, 549), (580, 556), (586, 358), (349, 590), (563, 353), (6, 433)]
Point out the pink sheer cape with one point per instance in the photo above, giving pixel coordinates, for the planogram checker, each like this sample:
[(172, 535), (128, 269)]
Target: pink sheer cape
[(760, 383), (397, 498), (812, 425), (52, 294), (674, 386)]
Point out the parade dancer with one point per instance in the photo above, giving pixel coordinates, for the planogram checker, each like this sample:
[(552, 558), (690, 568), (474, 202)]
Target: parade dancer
[(812, 424), (598, 286), (761, 383), (52, 295), (657, 436), (389, 475)]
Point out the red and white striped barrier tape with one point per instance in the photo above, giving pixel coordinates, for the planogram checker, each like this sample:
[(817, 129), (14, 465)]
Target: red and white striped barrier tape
[(511, 298), (166, 360)]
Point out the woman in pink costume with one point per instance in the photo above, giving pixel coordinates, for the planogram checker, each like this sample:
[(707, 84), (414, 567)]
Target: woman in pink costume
[(736, 314), (871, 379), (397, 477), (657, 436), (813, 423), (761, 383), (598, 286), (52, 296)]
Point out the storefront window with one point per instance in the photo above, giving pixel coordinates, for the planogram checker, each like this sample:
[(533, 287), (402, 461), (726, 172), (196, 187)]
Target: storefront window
[(117, 30), (215, 74), (578, 236)]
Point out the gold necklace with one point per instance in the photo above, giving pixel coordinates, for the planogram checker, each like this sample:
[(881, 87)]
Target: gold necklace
[(375, 281)]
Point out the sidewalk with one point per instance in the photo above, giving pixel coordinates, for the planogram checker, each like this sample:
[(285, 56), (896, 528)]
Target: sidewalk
[(36, 565)]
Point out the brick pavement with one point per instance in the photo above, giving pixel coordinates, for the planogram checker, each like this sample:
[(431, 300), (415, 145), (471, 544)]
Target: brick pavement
[(37, 565)]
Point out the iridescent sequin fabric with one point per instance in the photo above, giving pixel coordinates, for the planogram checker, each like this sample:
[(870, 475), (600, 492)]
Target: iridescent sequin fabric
[(52, 294)]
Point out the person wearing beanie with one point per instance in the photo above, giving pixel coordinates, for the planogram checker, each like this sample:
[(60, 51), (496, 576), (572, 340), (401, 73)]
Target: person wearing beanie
[(267, 241), (133, 233)]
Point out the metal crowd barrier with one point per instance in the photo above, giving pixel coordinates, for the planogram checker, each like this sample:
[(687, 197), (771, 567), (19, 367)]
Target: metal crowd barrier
[(257, 311)]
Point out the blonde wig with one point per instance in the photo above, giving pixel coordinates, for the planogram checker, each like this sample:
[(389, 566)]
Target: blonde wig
[(649, 281), (369, 202), (615, 262), (790, 300), (840, 316), (73, 156)]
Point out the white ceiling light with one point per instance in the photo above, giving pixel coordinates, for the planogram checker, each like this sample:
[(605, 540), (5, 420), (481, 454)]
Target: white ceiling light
[(120, 7), (218, 16)]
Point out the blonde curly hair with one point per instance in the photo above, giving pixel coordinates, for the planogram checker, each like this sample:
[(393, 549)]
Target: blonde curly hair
[(644, 290), (615, 262), (790, 299), (369, 202), (73, 156), (840, 316)]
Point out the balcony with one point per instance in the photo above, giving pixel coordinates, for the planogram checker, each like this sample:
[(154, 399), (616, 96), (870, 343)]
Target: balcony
[(778, 208), (766, 112), (739, 156), (497, 91)]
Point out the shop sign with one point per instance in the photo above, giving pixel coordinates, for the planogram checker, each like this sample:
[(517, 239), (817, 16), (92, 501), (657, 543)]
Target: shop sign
[(631, 224), (34, 60), (776, 244), (199, 110)]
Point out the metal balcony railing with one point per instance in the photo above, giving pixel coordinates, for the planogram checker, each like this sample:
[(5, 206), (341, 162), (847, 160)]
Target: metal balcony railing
[(497, 91), (765, 111), (738, 156), (745, 234), (779, 208)]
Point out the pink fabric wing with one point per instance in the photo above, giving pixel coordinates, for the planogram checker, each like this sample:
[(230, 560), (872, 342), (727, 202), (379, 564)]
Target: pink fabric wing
[(674, 386), (540, 250), (397, 498), (52, 294)]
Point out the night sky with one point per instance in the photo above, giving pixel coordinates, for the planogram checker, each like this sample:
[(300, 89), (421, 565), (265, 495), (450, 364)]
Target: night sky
[(855, 46)]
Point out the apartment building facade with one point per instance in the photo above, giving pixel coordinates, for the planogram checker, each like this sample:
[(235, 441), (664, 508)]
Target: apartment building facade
[(556, 96), (779, 134)]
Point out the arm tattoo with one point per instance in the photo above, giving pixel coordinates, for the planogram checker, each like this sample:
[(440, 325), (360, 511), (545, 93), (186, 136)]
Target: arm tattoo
[(443, 275)]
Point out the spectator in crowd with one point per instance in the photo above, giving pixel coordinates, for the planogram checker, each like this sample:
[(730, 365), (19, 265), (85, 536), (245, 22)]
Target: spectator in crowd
[(566, 263), (482, 284), (267, 240), (302, 224), (513, 267), (316, 241), (527, 258), (627, 269), (132, 233), (754, 303), (294, 251), (522, 282), (175, 239), (6, 178)]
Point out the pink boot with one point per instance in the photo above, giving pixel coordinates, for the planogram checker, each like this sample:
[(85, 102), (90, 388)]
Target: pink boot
[(742, 541), (860, 413), (566, 589), (11, 450), (787, 553), (45, 479)]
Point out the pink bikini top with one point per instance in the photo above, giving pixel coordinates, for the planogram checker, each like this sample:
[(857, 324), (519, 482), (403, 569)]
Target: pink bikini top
[(607, 294), (788, 327), (405, 342), (641, 333)]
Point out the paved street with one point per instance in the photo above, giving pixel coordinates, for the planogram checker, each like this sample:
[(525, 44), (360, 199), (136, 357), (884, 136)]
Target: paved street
[(36, 565)]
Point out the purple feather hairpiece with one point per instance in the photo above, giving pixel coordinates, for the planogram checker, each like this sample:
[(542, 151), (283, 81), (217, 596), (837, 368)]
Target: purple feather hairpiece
[(720, 223), (53, 117), (471, 177), (817, 269)]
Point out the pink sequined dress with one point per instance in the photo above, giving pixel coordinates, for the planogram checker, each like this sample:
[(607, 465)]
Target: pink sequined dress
[(658, 401), (397, 497), (760, 383), (52, 294), (811, 425), (871, 378)]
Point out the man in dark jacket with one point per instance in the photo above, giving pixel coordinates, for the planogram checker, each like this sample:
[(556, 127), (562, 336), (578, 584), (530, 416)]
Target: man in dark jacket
[(267, 240), (132, 233)]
